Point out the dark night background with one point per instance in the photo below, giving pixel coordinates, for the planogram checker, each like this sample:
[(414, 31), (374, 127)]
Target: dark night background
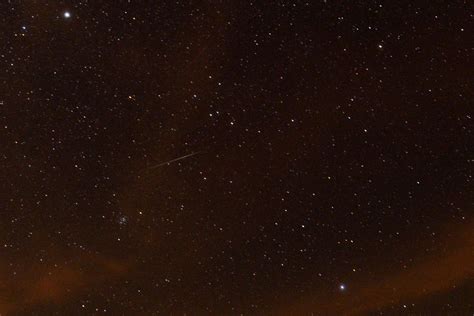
[(320, 153)]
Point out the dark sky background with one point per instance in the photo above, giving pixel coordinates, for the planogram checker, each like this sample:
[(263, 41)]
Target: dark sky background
[(236, 157)]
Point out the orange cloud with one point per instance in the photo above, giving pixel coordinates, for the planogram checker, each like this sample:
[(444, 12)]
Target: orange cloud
[(56, 286), (53, 284), (435, 274)]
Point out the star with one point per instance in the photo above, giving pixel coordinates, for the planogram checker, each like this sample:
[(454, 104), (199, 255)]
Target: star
[(342, 287), (67, 14)]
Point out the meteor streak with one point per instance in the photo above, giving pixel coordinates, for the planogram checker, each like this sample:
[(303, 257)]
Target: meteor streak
[(173, 160)]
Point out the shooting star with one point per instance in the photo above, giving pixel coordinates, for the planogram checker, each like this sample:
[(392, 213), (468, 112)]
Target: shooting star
[(173, 160)]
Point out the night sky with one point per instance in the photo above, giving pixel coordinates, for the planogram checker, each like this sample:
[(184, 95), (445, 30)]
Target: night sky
[(236, 157)]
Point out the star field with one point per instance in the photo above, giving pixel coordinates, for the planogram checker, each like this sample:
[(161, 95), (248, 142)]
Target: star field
[(236, 158)]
